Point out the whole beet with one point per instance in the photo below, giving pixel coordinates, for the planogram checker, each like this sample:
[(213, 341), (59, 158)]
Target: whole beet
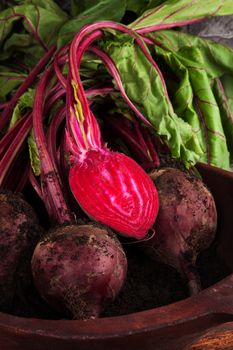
[(186, 223), (79, 269), (19, 233)]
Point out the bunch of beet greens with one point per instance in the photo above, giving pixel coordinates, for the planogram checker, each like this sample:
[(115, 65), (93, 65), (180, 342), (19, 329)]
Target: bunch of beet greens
[(51, 141)]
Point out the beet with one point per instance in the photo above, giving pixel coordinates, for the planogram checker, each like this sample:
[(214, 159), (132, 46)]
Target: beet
[(19, 234), (186, 223), (79, 269), (114, 190)]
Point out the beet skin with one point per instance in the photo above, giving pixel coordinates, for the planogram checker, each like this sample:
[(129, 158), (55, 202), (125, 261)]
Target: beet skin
[(186, 223), (79, 269), (19, 233)]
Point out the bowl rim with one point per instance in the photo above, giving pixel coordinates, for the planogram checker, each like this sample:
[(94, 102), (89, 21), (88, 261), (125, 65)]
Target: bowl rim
[(206, 304)]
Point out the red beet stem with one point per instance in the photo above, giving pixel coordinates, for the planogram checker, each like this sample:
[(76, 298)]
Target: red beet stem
[(35, 184), (51, 184), (126, 133), (110, 25), (52, 135), (10, 135), (16, 144), (59, 60), (141, 141)]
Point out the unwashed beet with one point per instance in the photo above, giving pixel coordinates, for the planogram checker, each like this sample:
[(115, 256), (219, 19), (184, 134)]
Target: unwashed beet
[(19, 234), (186, 222), (79, 269)]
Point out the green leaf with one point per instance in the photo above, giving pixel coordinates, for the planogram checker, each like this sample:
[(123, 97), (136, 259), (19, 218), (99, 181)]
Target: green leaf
[(33, 153), (25, 102), (22, 44), (224, 95), (144, 87), (101, 10), (140, 6), (175, 12), (34, 24), (196, 63), (50, 5), (137, 6), (77, 7), (9, 81), (217, 58)]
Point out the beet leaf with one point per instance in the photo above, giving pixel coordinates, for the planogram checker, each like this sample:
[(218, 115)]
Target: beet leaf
[(172, 13), (101, 10), (37, 26), (144, 86), (195, 63)]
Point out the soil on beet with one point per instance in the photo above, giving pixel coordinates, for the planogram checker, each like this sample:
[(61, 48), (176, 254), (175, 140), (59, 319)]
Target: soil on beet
[(148, 285)]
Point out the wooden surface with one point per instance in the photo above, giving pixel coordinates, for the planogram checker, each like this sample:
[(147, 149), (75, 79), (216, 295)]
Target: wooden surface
[(217, 338)]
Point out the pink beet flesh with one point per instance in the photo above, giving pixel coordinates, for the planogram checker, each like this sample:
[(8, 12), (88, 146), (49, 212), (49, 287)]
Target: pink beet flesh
[(114, 190)]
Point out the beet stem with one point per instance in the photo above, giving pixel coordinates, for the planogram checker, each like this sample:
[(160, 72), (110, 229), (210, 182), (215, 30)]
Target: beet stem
[(35, 184), (10, 135), (51, 184), (85, 132), (14, 147), (51, 136)]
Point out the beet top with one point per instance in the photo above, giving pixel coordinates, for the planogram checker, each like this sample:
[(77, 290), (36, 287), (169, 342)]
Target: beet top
[(79, 269)]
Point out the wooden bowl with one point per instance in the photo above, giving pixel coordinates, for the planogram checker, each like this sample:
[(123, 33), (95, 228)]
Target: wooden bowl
[(196, 321)]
